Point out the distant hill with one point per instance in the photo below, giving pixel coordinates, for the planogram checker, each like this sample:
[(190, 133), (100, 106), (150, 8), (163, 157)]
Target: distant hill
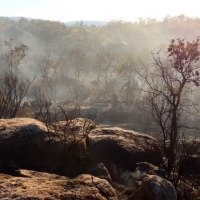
[(88, 23), (71, 23), (17, 18)]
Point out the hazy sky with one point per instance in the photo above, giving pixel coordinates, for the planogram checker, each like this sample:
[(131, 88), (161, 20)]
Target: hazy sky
[(104, 10)]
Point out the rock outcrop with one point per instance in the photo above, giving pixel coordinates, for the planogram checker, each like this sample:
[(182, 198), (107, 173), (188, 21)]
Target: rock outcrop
[(123, 148), (40, 186), (100, 171), (151, 169), (67, 150), (27, 143), (154, 188), (20, 140)]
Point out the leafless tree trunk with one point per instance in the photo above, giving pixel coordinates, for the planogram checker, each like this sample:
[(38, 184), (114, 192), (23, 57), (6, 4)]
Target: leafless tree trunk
[(12, 88), (165, 94)]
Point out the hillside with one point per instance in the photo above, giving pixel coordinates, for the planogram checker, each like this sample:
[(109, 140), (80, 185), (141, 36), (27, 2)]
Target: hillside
[(93, 66)]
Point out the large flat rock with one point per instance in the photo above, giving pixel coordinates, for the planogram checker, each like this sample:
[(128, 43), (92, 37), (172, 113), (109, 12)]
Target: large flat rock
[(40, 186), (123, 148)]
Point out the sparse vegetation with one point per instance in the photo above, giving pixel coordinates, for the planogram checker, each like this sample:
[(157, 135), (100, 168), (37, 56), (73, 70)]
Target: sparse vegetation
[(56, 73), (166, 98), (13, 88)]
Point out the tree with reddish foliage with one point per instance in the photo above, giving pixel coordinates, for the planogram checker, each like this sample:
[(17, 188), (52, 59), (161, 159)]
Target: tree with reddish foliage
[(166, 95)]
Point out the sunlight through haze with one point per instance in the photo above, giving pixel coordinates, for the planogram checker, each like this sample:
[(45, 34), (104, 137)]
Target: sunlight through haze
[(104, 10)]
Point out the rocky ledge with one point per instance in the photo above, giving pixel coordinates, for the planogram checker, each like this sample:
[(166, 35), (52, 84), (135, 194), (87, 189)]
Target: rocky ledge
[(34, 185)]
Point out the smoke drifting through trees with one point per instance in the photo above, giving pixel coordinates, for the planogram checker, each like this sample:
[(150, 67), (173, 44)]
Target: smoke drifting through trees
[(94, 65)]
